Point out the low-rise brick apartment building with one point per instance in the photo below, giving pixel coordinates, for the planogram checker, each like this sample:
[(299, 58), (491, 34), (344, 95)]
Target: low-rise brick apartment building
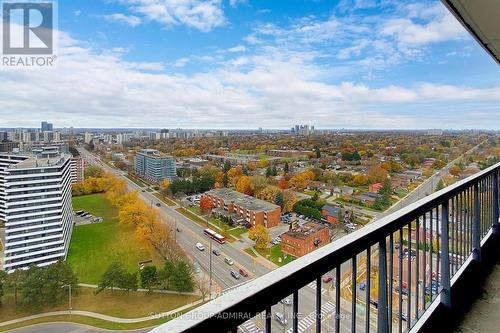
[(305, 239), (252, 210)]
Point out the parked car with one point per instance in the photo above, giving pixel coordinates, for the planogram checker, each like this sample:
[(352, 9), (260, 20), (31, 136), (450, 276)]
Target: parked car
[(229, 261), (216, 252), (362, 286), (158, 204), (235, 274), (243, 272), (200, 246), (280, 318), (327, 278), (286, 301)]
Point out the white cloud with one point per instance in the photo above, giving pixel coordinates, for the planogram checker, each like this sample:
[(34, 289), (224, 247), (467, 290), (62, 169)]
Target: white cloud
[(238, 48), (204, 15), (130, 20), (77, 12), (235, 3), (274, 90)]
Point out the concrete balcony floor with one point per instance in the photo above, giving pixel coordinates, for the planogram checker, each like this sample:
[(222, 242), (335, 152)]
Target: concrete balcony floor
[(483, 314)]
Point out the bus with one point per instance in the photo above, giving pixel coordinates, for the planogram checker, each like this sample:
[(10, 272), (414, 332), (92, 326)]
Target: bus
[(215, 236)]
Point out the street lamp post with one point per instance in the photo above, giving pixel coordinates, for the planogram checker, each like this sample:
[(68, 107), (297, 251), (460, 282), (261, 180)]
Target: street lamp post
[(210, 267), (69, 296)]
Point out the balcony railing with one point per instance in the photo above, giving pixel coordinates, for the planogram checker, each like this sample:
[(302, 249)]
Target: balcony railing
[(389, 276)]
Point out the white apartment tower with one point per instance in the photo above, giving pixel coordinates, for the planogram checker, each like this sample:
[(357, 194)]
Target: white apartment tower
[(35, 205)]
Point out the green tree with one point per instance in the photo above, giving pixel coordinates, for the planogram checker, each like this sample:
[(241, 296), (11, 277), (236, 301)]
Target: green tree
[(440, 185), (149, 277), (111, 277), (286, 169), (165, 274), (182, 277), (128, 281), (3, 280), (14, 282)]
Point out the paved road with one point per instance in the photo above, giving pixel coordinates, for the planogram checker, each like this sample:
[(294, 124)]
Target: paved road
[(66, 328), (191, 233)]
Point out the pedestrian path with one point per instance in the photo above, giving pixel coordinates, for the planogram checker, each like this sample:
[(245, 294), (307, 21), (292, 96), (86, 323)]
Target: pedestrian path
[(102, 316), (313, 286), (310, 319), (250, 327)]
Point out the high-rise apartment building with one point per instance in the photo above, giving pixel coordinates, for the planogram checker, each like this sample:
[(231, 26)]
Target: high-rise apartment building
[(154, 166), (35, 205)]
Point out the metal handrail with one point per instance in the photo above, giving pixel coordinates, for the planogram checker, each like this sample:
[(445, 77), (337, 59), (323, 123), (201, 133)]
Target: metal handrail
[(225, 313)]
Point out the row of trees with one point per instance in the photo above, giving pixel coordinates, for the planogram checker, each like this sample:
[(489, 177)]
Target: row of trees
[(177, 276), (38, 287), (309, 207)]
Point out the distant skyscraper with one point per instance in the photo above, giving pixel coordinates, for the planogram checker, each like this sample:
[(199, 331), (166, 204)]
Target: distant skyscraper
[(47, 127)]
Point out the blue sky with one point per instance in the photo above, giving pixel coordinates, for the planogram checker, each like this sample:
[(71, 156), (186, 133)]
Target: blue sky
[(249, 63)]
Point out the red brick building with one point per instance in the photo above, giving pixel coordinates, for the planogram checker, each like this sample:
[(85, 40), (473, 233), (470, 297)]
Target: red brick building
[(305, 239), (245, 207), (375, 188), (330, 214)]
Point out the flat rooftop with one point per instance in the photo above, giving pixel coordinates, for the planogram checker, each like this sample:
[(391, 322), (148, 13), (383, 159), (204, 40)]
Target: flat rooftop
[(242, 199), (35, 161), (308, 229)]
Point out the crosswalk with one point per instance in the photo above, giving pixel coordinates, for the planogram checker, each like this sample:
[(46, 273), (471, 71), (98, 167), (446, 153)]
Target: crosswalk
[(304, 323), (313, 286), (310, 319)]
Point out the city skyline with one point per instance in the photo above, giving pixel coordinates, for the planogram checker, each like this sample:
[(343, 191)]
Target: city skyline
[(220, 64)]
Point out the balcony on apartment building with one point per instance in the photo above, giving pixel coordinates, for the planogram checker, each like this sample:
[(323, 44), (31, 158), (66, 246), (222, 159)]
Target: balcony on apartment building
[(417, 269)]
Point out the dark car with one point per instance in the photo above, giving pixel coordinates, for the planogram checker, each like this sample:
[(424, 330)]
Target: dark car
[(216, 252), (235, 274), (158, 204)]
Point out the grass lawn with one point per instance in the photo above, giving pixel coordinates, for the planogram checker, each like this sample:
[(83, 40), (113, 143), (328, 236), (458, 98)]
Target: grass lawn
[(98, 322), (276, 253), (116, 304), (167, 201), (238, 231), (250, 252), (137, 181), (190, 215), (93, 247)]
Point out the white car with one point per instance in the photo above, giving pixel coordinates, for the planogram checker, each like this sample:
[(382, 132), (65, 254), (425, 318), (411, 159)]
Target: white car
[(229, 261), (200, 246), (280, 318)]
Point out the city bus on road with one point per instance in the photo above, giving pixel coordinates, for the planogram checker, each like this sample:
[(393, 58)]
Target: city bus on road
[(215, 236)]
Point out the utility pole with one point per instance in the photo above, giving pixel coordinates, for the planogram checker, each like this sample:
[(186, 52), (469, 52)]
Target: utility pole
[(69, 288), (210, 269)]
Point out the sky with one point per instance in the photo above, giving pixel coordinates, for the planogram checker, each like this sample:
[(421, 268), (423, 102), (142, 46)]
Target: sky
[(372, 64)]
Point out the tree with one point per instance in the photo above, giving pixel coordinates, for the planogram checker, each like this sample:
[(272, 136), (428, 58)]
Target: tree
[(112, 277), (165, 274), (377, 174), (14, 282), (317, 151), (93, 171), (455, 170), (244, 185), (269, 193), (128, 282), (165, 185), (206, 203), (260, 235), (182, 277), (149, 277), (283, 184), (440, 185), (289, 199), (225, 180), (286, 169), (203, 286), (3, 279)]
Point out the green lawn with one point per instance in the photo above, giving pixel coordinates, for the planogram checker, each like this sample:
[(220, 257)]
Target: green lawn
[(276, 253), (93, 247), (167, 201), (250, 252), (238, 231)]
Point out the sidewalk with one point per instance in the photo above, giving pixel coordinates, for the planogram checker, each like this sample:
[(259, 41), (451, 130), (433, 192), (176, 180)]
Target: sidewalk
[(161, 291), (102, 316)]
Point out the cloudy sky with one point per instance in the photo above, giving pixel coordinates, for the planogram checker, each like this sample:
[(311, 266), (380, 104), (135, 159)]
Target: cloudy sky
[(257, 63)]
